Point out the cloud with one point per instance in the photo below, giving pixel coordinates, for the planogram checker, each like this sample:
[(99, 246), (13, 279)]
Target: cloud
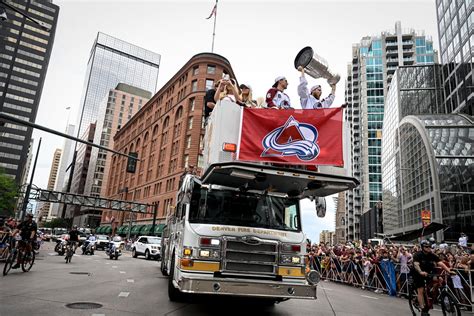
[(313, 225)]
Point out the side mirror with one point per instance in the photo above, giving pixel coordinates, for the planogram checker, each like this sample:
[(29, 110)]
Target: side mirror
[(320, 204)]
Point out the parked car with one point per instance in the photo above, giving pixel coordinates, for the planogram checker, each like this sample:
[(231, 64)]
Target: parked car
[(148, 246), (102, 241)]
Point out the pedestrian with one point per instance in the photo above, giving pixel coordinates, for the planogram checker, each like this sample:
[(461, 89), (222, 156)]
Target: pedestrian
[(312, 99), (276, 98), (463, 241)]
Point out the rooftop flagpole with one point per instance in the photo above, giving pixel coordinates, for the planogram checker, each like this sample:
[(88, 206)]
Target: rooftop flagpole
[(213, 12)]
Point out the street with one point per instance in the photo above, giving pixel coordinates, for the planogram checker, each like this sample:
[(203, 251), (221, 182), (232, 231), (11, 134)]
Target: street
[(131, 286)]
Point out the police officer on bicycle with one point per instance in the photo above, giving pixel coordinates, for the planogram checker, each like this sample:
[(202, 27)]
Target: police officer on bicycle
[(28, 229), (424, 264), (74, 237)]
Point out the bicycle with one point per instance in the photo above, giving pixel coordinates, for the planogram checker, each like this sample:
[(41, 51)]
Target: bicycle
[(69, 252), (18, 253), (445, 298)]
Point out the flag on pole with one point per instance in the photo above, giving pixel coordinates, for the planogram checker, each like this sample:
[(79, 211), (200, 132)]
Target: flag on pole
[(213, 12)]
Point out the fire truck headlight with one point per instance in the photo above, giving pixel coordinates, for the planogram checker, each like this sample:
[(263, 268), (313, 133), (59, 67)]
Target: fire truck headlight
[(204, 253), (295, 260)]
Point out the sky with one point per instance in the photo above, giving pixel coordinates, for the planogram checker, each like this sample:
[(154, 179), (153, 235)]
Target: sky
[(260, 38)]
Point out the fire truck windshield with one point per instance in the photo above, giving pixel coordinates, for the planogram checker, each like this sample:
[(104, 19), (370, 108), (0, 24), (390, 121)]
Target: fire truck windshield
[(237, 208)]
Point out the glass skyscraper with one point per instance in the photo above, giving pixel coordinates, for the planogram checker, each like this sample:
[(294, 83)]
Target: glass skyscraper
[(374, 61), (113, 61), (456, 42)]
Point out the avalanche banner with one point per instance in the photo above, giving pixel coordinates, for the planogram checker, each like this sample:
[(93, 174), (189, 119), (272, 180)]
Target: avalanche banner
[(312, 137)]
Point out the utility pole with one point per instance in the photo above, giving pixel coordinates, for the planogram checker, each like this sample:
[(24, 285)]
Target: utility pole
[(155, 210), (28, 188)]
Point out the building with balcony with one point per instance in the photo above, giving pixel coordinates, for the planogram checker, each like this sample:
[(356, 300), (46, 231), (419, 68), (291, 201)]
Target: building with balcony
[(374, 62)]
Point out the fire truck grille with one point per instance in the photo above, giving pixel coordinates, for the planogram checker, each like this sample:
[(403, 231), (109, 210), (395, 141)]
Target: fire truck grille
[(241, 257)]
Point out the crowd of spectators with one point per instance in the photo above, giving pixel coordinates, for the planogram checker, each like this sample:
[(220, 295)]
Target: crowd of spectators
[(386, 268)]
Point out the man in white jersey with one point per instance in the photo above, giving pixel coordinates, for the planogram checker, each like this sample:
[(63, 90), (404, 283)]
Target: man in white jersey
[(276, 98), (312, 99)]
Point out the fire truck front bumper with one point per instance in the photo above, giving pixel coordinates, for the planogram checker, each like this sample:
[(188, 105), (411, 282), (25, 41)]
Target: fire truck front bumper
[(253, 288)]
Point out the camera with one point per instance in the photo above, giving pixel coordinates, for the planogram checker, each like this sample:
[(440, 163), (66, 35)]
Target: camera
[(226, 78)]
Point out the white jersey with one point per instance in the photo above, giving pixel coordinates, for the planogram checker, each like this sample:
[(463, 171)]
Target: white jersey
[(307, 99)]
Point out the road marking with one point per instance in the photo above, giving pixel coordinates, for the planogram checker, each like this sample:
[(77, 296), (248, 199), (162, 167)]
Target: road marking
[(114, 267), (98, 315), (124, 294), (107, 263), (123, 272), (52, 253), (374, 298), (326, 289), (130, 280)]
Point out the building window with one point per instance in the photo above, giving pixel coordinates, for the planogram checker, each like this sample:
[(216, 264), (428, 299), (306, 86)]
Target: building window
[(190, 123), (194, 86), (191, 104), (209, 84), (211, 69), (188, 142), (195, 70)]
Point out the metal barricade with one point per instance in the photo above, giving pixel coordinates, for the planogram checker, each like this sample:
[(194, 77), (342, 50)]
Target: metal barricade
[(331, 268)]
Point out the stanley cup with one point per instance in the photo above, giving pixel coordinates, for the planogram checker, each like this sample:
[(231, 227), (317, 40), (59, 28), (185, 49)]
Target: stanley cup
[(315, 65)]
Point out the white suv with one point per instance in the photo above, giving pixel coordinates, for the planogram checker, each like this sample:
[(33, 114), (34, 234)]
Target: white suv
[(149, 246)]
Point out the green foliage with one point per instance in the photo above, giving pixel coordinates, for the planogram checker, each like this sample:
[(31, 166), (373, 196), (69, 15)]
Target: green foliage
[(8, 194), (58, 222)]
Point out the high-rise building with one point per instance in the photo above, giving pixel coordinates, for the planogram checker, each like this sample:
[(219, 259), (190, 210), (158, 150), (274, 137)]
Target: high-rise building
[(374, 61), (167, 134), (340, 219), (118, 107), (456, 42), (79, 179), (25, 49), (61, 182), (113, 61), (45, 210), (326, 237)]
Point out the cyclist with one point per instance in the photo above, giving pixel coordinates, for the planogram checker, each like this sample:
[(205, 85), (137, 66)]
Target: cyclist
[(74, 237), (28, 229), (424, 264)]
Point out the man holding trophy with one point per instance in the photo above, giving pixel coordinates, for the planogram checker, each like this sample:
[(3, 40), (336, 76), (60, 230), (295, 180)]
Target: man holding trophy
[(308, 62), (312, 99)]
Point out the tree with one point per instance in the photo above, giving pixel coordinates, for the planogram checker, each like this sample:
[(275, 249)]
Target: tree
[(8, 194), (58, 222)]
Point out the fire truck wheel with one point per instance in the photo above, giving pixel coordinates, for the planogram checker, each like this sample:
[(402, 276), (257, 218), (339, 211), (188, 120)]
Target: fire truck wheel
[(173, 293)]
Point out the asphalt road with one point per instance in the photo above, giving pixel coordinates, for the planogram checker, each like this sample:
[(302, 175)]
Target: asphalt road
[(131, 286)]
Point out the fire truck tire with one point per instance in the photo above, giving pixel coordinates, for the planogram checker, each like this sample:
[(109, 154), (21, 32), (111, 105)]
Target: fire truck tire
[(173, 293)]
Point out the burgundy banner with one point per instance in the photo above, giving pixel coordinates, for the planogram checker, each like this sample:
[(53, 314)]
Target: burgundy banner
[(312, 137)]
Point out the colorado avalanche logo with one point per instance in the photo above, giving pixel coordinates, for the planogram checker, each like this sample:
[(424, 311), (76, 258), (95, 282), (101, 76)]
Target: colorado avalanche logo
[(292, 139)]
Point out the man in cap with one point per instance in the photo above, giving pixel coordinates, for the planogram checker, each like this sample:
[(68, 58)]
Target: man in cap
[(276, 98), (312, 99)]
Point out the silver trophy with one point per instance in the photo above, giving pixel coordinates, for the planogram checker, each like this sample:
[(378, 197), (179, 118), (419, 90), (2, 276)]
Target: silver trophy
[(315, 66)]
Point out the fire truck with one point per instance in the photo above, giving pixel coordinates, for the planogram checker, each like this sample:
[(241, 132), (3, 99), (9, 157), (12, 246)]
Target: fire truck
[(237, 229)]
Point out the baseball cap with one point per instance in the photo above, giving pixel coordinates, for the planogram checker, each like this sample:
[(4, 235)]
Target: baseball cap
[(245, 86), (29, 215), (318, 86), (278, 79)]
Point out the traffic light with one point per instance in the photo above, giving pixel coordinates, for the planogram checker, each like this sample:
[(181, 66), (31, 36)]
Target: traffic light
[(132, 162)]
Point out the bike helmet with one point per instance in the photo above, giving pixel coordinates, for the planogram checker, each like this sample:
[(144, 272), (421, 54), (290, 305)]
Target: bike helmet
[(425, 243)]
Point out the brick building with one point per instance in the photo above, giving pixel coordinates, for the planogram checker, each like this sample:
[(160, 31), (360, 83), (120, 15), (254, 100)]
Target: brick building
[(167, 134)]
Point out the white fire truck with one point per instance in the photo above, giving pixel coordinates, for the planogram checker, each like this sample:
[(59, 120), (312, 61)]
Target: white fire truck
[(237, 229)]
